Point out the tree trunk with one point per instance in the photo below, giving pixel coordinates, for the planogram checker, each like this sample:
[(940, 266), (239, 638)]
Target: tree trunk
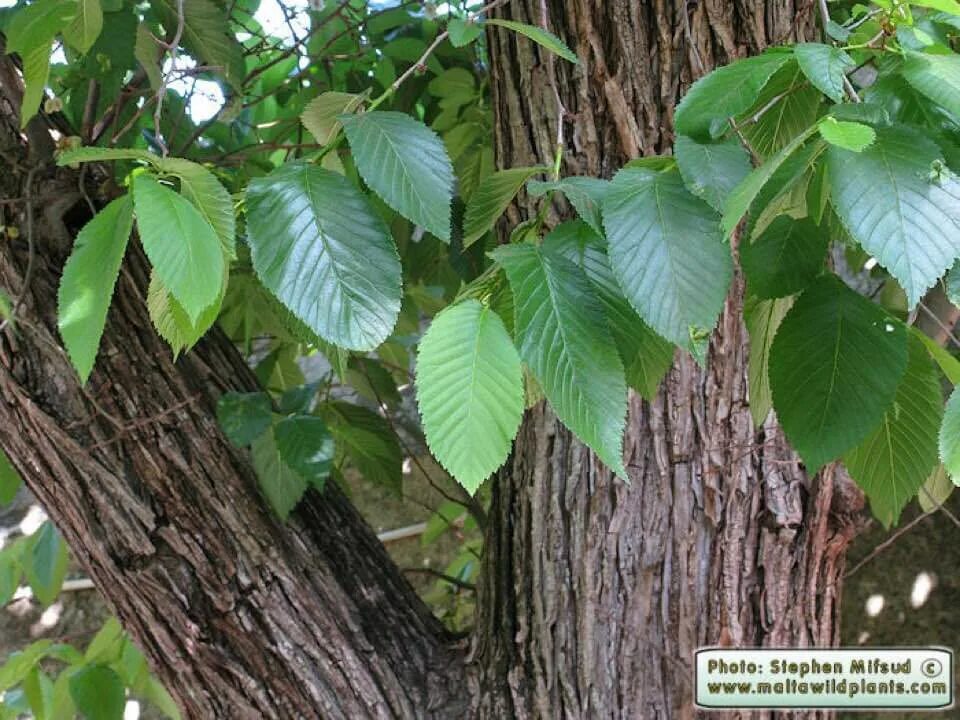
[(595, 593), (241, 616)]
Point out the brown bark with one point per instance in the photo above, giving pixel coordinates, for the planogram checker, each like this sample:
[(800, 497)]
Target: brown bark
[(595, 593), (240, 615)]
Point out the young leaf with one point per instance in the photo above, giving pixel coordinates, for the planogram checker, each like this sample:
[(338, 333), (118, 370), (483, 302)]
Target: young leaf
[(182, 246), (406, 164), (85, 28), (762, 318), (785, 257), (469, 391), (646, 356), (935, 76), (320, 247), (891, 205), (45, 563), (98, 693), (491, 198), (281, 485), (564, 340), (540, 36), (209, 196), (667, 254), (320, 115), (463, 32), (891, 465), (711, 170), (89, 276), (306, 446), (835, 365), (936, 490), (171, 321), (848, 135), (244, 416), (584, 193), (825, 66), (725, 92), (99, 154), (367, 441)]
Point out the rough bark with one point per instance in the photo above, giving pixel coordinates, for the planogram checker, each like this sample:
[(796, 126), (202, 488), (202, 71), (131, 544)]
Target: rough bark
[(596, 594), (240, 615)]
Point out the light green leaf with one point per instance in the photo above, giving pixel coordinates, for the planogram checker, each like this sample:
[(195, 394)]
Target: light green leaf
[(463, 32), (584, 193), (712, 170), (36, 70), (762, 318), (45, 563), (950, 437), (321, 248), (835, 365), (147, 52), (743, 195), (320, 115), (891, 465), (209, 196), (785, 257), (848, 135), (951, 282), (99, 154), (564, 340), (182, 246), (666, 251), (171, 320), (948, 6), (725, 92), (10, 480), (18, 664), (306, 446), (406, 164), (936, 490), (85, 28), (34, 25), (935, 76), (89, 276), (891, 205), (106, 645), (98, 693), (244, 416), (540, 36), (207, 36), (949, 365), (491, 198), (367, 441), (825, 66), (646, 356), (280, 484), (469, 391)]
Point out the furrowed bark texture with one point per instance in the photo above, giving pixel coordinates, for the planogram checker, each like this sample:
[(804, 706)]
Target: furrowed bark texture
[(241, 616), (595, 594)]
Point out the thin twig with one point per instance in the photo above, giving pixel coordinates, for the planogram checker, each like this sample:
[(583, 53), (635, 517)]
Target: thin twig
[(939, 506), (945, 328), (889, 541), (162, 90), (31, 249)]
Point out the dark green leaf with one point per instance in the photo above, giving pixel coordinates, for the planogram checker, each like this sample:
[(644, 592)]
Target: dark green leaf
[(306, 446), (281, 485), (825, 66), (712, 170), (98, 693), (463, 32), (492, 196), (538, 35), (367, 441), (45, 563), (935, 76), (584, 193), (244, 416), (762, 318), (785, 257)]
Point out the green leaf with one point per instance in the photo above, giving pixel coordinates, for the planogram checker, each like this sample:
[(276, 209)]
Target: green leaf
[(935, 76), (889, 203), (835, 365), (171, 320), (89, 276), (825, 66), (469, 391), (712, 170), (321, 248), (762, 318), (564, 340), (19, 663), (147, 52), (406, 164), (584, 193), (206, 36), (743, 195), (491, 198), (785, 257), (36, 70), (35, 25), (244, 416), (182, 246), (463, 32), (666, 251), (950, 437), (320, 115), (936, 490), (99, 154), (892, 464), (98, 693), (106, 644), (786, 107), (209, 196), (367, 441), (725, 92), (85, 28), (540, 36), (10, 480), (38, 689), (949, 365), (281, 485), (848, 135), (45, 563), (948, 6), (646, 356), (306, 447)]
